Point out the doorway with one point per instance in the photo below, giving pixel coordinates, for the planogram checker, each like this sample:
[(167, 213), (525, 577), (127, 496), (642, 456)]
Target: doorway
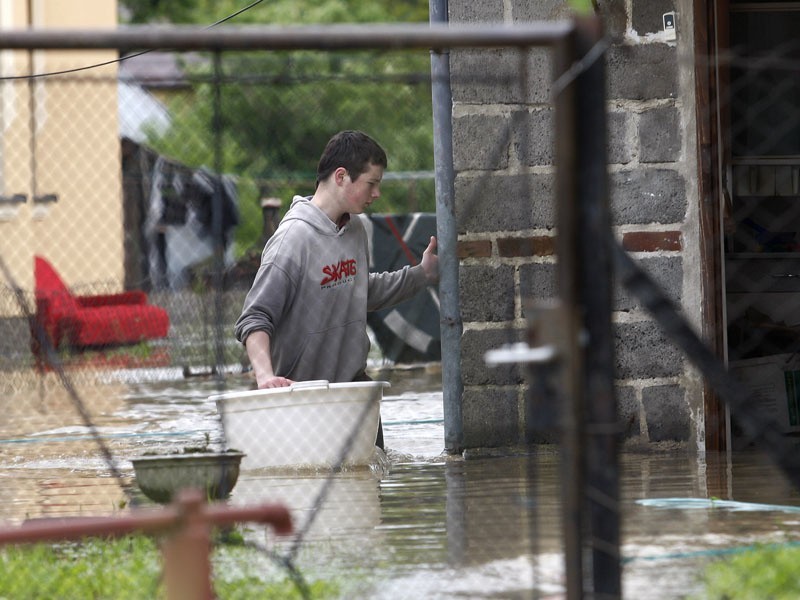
[(757, 77)]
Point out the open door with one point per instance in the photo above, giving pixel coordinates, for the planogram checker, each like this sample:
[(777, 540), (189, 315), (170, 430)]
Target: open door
[(754, 106)]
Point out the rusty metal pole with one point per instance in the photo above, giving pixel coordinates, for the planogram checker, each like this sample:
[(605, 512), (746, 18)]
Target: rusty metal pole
[(187, 567), (188, 520)]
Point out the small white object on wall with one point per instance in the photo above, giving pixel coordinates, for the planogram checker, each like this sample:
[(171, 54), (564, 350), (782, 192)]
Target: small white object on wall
[(670, 28)]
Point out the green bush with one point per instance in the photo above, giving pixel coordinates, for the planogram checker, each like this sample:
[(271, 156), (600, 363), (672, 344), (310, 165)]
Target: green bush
[(765, 571)]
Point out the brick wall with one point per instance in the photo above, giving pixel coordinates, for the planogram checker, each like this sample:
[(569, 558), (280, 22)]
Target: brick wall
[(503, 156)]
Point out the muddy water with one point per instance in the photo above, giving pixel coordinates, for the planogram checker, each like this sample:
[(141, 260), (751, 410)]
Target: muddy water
[(425, 525)]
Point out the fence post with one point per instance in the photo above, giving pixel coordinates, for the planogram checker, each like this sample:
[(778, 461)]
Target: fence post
[(447, 234), (187, 567), (567, 166), (602, 429), (589, 424)]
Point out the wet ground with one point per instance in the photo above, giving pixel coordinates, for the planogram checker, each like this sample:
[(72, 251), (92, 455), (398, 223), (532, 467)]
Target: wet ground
[(425, 525)]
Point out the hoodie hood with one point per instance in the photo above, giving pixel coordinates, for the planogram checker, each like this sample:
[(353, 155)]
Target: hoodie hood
[(302, 209)]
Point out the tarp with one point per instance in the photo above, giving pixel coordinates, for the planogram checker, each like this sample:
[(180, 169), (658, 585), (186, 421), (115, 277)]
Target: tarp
[(408, 332)]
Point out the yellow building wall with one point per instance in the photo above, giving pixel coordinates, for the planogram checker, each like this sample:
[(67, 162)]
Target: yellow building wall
[(61, 137)]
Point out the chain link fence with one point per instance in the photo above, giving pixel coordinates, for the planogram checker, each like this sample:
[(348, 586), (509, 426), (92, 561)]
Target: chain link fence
[(136, 200), (111, 181)]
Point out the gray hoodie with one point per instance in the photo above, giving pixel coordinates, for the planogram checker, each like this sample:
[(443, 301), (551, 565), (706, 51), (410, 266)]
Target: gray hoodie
[(312, 293)]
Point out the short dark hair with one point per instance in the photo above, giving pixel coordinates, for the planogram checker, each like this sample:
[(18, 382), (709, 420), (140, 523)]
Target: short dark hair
[(353, 150)]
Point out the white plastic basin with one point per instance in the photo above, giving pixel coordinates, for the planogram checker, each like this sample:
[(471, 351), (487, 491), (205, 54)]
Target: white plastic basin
[(306, 425)]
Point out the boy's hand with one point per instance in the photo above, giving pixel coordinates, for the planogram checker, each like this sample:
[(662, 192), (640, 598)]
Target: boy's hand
[(430, 262), (274, 382)]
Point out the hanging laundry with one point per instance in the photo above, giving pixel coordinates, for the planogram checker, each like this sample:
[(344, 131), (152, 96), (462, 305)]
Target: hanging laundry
[(200, 197), (166, 207), (179, 224)]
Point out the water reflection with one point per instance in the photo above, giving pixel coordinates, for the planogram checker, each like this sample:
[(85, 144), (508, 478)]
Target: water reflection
[(336, 521), (429, 525)]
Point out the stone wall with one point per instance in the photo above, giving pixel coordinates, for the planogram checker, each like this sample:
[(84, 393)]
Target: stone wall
[(503, 157)]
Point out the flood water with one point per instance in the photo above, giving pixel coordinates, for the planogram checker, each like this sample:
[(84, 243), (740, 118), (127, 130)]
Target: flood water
[(425, 525)]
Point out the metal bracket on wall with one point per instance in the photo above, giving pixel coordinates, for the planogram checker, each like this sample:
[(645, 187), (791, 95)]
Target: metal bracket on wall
[(9, 206), (41, 205), (545, 319)]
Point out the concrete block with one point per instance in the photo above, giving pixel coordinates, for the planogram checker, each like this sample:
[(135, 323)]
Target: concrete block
[(628, 411), (537, 280), (475, 343), (642, 72), (486, 11), (492, 76), (615, 17), (619, 146), (667, 413), (534, 147), (660, 135), (541, 10), (642, 351), (543, 407), (667, 271), (490, 417), (613, 13), (504, 202), (481, 142), (646, 15), (647, 196), (487, 292)]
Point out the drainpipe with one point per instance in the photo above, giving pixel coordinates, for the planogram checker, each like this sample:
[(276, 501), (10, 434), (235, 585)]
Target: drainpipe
[(447, 237)]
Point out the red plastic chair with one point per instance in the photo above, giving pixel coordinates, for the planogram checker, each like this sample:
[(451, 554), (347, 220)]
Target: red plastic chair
[(93, 321)]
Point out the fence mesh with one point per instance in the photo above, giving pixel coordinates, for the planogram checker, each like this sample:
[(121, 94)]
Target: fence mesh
[(138, 198), (136, 201)]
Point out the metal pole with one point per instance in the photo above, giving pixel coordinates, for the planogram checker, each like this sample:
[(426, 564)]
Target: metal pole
[(447, 234), (187, 522), (602, 430), (187, 566), (570, 348), (307, 37), (217, 225)]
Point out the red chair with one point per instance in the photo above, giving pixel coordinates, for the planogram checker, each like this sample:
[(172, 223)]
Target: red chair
[(93, 321)]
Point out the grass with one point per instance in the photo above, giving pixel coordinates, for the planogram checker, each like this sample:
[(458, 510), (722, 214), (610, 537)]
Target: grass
[(765, 571), (129, 568)]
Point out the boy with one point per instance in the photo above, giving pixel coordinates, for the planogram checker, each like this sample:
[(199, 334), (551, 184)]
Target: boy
[(305, 316)]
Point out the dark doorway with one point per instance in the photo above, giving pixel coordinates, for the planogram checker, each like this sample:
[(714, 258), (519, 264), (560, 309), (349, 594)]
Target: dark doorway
[(758, 119)]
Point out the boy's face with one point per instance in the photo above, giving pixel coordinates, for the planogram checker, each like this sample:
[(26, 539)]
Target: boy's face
[(362, 192)]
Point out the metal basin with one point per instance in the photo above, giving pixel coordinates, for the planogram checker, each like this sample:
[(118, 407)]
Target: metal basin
[(160, 477)]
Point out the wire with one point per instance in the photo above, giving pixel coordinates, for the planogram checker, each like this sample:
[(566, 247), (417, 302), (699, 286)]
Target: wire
[(118, 60)]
